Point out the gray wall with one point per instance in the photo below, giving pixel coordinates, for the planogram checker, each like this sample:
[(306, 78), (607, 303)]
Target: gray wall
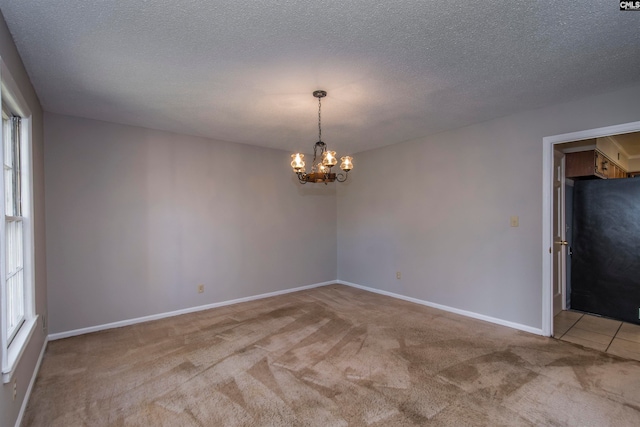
[(438, 210), (138, 218), (9, 408)]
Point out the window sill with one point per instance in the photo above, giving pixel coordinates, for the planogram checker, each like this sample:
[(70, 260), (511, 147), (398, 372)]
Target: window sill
[(17, 348)]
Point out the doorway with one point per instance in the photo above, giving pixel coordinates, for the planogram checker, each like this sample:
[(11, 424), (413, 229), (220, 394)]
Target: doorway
[(551, 260)]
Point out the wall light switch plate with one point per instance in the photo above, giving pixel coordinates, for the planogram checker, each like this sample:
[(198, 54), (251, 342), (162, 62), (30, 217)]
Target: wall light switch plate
[(515, 221)]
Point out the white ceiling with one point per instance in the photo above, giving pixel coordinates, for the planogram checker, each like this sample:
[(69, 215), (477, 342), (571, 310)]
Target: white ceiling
[(244, 70)]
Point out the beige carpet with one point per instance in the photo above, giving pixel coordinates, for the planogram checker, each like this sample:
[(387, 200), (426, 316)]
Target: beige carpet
[(331, 356)]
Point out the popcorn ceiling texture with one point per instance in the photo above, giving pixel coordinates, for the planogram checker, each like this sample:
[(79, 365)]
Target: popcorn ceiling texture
[(244, 71)]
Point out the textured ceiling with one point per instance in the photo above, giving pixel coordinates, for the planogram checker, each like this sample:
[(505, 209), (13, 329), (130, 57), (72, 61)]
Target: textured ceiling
[(244, 70)]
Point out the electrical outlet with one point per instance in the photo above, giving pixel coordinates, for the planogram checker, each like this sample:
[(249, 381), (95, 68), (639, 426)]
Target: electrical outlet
[(398, 275), (515, 221), (15, 389), (44, 322), (200, 289)]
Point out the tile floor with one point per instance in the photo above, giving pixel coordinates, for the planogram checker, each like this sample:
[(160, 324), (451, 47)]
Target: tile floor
[(610, 336)]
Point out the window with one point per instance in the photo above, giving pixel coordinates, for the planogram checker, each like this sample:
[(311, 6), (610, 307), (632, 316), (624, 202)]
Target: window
[(13, 226), (17, 308)]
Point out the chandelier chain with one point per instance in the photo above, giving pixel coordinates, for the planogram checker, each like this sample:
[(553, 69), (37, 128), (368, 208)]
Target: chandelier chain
[(319, 119)]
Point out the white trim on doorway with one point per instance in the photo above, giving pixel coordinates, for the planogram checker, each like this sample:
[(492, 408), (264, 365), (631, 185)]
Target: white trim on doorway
[(547, 231)]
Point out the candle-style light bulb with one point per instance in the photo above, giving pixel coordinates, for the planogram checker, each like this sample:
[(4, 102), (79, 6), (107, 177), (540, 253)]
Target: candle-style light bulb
[(298, 162), (329, 158), (347, 163)]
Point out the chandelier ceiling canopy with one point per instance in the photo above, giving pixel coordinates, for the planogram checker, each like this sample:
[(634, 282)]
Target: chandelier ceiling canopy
[(323, 159)]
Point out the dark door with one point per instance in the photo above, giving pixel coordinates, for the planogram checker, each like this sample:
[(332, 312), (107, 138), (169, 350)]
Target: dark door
[(605, 265), (568, 236)]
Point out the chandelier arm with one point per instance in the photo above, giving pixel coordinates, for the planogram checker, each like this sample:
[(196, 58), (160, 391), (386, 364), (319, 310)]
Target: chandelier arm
[(342, 177)]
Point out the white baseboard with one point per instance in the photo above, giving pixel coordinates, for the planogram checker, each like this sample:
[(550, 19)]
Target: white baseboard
[(128, 322), (27, 394), (521, 327)]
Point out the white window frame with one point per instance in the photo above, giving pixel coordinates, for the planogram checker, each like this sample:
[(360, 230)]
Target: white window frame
[(13, 347)]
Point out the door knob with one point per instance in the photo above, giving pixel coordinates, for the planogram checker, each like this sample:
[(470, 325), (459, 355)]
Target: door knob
[(562, 242)]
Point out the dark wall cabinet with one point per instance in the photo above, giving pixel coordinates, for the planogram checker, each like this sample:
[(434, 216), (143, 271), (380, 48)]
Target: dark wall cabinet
[(592, 164)]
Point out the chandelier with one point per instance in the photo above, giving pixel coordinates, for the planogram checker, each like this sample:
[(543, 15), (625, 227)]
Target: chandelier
[(323, 159)]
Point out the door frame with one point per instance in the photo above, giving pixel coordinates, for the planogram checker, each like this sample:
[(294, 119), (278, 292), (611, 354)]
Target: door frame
[(548, 143)]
